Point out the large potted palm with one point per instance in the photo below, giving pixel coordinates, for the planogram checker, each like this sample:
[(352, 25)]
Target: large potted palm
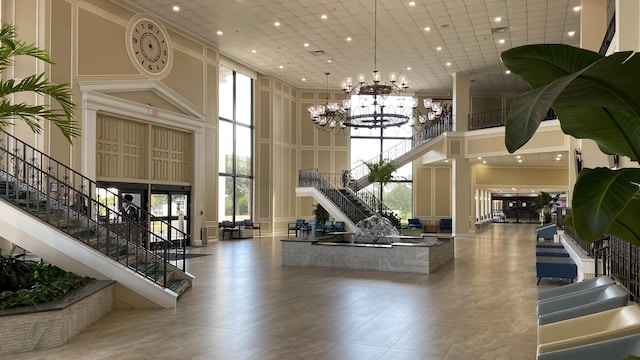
[(595, 97)]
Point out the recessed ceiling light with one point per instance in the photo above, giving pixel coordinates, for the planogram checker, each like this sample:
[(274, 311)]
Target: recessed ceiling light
[(448, 64), (497, 19), (253, 51), (412, 3), (323, 17), (408, 68), (518, 157), (219, 33), (281, 67), (577, 8), (349, 39), (559, 155), (427, 28), (304, 79), (479, 157), (446, 161), (305, 44), (507, 72), (571, 33), (277, 23), (175, 8), (520, 160), (484, 161), (558, 159), (329, 61), (501, 41), (439, 48)]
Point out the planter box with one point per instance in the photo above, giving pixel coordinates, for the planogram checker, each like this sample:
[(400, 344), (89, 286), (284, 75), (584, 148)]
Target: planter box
[(52, 324), (417, 257)]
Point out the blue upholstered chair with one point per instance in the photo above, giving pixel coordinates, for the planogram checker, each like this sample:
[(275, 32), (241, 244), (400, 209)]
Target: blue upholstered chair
[(298, 226), (545, 231), (446, 225), (414, 224)]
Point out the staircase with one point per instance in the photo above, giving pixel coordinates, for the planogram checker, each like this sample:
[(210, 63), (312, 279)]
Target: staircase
[(351, 198), (81, 238)]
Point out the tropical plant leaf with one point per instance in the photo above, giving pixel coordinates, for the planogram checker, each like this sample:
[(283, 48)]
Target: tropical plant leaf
[(626, 226), (617, 133), (599, 204), (528, 110), (541, 64), (606, 86)]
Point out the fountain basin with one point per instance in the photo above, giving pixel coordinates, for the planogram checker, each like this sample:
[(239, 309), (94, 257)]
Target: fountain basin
[(405, 254)]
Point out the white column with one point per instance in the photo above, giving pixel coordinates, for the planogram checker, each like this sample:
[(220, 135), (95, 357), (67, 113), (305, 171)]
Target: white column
[(627, 25), (461, 102), (477, 203), (593, 23), (461, 195)]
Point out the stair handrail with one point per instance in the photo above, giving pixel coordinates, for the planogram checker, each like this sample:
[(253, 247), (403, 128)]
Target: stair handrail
[(313, 178), (434, 129), (40, 178), (339, 181)]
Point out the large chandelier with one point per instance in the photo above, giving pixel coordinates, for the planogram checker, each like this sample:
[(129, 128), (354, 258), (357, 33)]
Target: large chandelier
[(379, 105)]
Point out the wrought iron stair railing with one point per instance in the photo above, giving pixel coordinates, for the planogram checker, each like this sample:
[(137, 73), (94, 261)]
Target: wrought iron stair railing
[(397, 154), (312, 178), (69, 201)]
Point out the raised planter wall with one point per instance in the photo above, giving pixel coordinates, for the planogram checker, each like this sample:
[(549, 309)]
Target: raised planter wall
[(49, 325), (415, 258)]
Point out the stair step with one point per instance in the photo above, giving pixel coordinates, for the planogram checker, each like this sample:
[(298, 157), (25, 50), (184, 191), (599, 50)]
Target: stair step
[(179, 286)]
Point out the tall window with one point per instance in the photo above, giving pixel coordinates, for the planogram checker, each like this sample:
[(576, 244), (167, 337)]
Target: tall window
[(235, 146), (368, 145)]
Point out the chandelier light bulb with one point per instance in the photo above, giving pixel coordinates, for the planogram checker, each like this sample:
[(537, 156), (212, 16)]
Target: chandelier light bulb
[(427, 103), (376, 76), (361, 78), (393, 77)]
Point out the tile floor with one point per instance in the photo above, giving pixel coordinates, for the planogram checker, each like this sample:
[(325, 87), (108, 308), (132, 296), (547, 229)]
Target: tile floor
[(245, 305)]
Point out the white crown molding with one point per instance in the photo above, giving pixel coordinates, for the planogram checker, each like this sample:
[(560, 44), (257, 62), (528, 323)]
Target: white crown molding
[(157, 87)]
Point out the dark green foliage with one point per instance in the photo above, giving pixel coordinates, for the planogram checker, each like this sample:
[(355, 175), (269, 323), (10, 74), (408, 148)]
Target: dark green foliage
[(595, 97), (381, 171), (321, 214), (26, 282), (393, 218)]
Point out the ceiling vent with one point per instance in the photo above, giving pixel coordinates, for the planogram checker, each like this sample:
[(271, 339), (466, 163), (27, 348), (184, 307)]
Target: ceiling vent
[(499, 30), (318, 53)]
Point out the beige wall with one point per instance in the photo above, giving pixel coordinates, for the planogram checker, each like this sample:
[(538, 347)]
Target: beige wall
[(80, 32)]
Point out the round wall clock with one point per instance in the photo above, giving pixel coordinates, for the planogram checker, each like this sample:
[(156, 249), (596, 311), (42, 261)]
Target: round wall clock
[(149, 46)]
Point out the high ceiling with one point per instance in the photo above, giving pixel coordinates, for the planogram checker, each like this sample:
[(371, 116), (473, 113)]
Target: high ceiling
[(464, 36)]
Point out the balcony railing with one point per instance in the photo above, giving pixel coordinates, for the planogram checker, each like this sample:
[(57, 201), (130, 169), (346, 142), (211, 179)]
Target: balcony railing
[(496, 118)]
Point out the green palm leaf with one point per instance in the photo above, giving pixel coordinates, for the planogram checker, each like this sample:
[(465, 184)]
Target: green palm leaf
[(60, 113)]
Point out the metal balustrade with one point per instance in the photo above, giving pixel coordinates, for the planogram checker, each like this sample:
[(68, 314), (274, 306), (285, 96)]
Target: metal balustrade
[(436, 128), (68, 200), (620, 259), (496, 118)]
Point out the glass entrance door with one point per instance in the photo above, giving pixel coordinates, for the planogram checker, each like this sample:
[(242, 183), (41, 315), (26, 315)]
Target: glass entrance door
[(171, 206)]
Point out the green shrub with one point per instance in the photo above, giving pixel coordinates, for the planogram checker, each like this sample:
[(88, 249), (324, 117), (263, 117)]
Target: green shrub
[(26, 282)]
